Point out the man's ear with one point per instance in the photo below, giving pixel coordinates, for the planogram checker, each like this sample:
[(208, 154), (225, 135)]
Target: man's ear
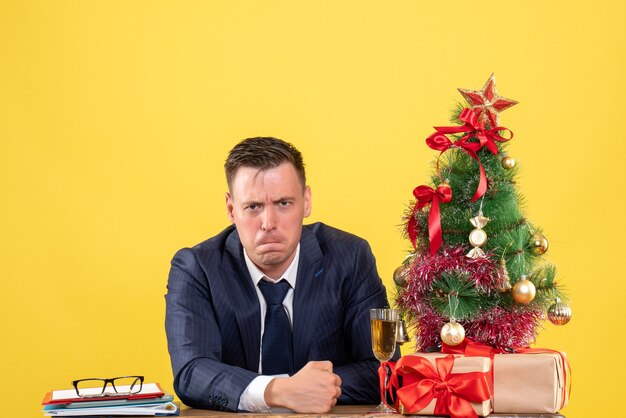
[(307, 202), (230, 206)]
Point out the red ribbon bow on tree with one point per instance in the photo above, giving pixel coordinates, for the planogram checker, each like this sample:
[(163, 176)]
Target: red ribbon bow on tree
[(453, 392), (424, 196), (473, 128)]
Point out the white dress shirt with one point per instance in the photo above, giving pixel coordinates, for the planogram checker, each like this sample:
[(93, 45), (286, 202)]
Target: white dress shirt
[(253, 397)]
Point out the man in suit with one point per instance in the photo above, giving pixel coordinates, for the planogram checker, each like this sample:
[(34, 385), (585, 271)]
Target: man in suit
[(232, 346)]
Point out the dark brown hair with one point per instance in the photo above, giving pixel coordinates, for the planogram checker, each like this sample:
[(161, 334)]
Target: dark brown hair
[(263, 153)]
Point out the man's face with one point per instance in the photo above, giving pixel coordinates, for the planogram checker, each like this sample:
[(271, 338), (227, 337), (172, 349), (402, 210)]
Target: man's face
[(268, 208)]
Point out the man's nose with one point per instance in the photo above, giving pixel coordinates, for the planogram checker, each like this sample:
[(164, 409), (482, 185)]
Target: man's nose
[(268, 221)]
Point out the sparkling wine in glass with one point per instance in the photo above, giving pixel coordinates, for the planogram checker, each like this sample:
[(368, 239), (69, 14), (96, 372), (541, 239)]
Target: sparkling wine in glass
[(383, 324)]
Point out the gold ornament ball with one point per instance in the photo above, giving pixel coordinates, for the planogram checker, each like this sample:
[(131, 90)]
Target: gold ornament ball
[(452, 333), (539, 244), (401, 274), (444, 184), (560, 313), (477, 237), (508, 162), (523, 291)]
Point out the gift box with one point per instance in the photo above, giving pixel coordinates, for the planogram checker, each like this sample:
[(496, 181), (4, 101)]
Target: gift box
[(534, 382), (440, 384)]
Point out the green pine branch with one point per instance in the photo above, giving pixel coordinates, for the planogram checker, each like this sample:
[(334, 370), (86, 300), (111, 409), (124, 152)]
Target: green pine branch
[(454, 295)]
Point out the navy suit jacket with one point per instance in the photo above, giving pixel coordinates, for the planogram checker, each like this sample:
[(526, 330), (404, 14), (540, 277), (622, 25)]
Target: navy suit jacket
[(213, 317)]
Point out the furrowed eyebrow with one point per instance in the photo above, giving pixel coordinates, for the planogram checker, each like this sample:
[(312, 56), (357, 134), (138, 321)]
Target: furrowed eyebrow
[(258, 203), (284, 199), (251, 202)]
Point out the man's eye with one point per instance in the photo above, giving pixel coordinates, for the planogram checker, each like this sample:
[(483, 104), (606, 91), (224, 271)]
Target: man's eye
[(283, 203), (252, 207)]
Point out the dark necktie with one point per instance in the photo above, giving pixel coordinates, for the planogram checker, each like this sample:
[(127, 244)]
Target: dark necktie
[(277, 350)]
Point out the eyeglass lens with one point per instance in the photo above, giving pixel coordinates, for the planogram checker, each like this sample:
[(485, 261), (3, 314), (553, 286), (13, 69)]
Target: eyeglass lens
[(125, 385)]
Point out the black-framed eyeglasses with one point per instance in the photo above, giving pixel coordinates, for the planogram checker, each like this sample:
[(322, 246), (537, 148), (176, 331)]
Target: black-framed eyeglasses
[(97, 387)]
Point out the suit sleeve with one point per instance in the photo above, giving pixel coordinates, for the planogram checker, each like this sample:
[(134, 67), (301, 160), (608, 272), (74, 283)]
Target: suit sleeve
[(201, 380), (366, 291)]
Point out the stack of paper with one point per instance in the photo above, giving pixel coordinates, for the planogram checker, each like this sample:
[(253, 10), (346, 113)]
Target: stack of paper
[(151, 401)]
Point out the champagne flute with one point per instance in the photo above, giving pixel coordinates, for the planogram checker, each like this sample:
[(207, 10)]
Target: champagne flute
[(383, 325)]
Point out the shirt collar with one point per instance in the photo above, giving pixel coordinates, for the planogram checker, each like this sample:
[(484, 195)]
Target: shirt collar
[(289, 275)]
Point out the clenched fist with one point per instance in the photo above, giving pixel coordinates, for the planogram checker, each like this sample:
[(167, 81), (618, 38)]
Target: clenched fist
[(314, 389)]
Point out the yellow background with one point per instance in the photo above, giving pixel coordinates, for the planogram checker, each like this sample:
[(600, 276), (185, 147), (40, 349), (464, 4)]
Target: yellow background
[(116, 117)]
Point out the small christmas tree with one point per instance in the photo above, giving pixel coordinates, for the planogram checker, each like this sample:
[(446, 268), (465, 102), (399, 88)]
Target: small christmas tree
[(477, 269)]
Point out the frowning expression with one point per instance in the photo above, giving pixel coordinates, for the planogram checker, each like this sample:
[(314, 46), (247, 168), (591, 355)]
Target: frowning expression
[(268, 207)]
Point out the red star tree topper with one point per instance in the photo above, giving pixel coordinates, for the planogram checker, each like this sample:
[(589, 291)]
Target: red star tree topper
[(486, 102)]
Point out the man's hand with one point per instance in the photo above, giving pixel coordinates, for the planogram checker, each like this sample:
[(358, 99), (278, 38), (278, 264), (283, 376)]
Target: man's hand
[(314, 389)]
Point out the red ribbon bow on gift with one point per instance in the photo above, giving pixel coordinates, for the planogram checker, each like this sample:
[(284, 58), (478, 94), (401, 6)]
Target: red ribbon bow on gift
[(453, 392), (427, 195), (473, 128)]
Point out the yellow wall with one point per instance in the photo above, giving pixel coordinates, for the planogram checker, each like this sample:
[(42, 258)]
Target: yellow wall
[(116, 116)]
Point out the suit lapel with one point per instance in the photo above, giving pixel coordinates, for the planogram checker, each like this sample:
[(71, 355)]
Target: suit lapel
[(243, 299), (310, 272)]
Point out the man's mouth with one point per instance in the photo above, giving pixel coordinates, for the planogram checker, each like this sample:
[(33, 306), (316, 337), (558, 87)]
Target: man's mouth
[(271, 241)]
